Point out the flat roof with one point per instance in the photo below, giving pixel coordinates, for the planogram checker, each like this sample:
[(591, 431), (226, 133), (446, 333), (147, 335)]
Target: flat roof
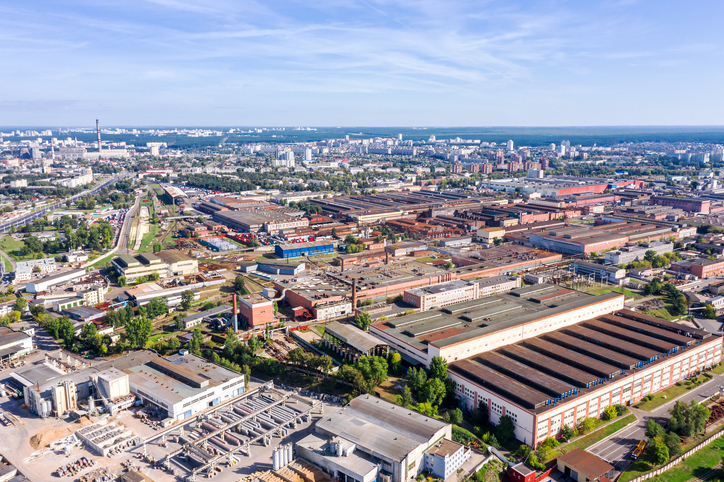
[(210, 312), (380, 426), (353, 336), (68, 274), (173, 256), (305, 245), (472, 319), (9, 336)]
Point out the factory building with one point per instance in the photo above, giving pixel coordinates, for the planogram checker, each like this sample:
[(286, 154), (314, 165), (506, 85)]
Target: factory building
[(24, 270), (255, 310), (352, 343), (173, 194), (687, 204), (395, 439), (607, 273), (457, 291), (700, 267), (13, 345), (629, 254), (557, 378), (177, 386), (304, 249), (145, 292), (166, 264), (49, 282), (465, 329)]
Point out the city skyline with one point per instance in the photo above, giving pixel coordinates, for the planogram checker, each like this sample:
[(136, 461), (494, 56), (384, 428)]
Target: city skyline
[(365, 63)]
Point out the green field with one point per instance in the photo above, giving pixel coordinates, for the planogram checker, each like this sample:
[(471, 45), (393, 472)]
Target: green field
[(663, 313), (147, 240), (696, 465), (12, 247), (670, 393), (718, 370), (600, 290)]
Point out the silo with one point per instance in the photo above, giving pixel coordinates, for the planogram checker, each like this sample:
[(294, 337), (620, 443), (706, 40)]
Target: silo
[(275, 459), (290, 453)]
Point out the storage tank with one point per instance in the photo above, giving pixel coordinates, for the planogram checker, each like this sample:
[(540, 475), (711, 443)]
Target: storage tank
[(275, 460), (290, 453)]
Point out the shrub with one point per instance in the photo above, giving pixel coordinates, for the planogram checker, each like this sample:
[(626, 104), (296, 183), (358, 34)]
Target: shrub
[(620, 409), (609, 413)]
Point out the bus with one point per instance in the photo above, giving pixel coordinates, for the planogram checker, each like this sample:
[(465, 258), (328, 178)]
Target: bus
[(638, 450)]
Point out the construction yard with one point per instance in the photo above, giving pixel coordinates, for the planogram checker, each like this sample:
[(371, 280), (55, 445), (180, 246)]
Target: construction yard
[(230, 441)]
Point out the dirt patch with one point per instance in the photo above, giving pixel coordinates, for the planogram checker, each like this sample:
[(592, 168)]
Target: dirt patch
[(44, 439)]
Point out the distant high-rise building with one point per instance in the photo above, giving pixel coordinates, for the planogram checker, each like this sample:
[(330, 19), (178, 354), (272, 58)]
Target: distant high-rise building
[(510, 145), (545, 163), (553, 146), (457, 168), (307, 154), (474, 167), (399, 137), (285, 158), (514, 166), (431, 139), (487, 168)]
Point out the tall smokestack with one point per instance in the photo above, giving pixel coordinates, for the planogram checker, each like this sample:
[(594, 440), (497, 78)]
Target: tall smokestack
[(235, 316), (98, 132), (354, 295)]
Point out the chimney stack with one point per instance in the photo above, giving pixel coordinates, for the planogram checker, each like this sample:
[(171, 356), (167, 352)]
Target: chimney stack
[(98, 132), (235, 315), (354, 295), (387, 257)]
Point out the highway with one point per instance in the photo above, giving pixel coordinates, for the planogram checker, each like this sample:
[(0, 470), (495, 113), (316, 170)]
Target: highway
[(5, 228), (616, 450)]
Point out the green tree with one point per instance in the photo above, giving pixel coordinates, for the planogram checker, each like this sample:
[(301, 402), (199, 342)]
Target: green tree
[(239, 283), (197, 339), (121, 281), (609, 413), (66, 330), (438, 368), (187, 297), (416, 379), (567, 432), (156, 307), (587, 424), (326, 364), (363, 321), (673, 443), (20, 304), (405, 399), (138, 330), (709, 312), (434, 392), (481, 415), (89, 331), (505, 429), (395, 363), (657, 452), (456, 416), (654, 430), (11, 289)]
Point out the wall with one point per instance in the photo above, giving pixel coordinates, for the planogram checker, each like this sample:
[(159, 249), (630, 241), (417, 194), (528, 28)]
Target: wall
[(620, 391)]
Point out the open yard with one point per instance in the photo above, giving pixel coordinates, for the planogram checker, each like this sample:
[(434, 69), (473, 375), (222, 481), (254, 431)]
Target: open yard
[(147, 240), (599, 290), (696, 465), (12, 248), (593, 437)]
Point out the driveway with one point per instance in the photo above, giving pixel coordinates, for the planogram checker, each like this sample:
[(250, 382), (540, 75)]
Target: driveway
[(616, 450)]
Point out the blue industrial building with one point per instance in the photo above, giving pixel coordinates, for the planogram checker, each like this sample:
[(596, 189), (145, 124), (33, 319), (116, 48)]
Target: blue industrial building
[(304, 249)]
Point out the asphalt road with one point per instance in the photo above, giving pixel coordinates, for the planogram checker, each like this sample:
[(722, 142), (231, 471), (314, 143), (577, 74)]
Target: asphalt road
[(616, 450), (42, 212)]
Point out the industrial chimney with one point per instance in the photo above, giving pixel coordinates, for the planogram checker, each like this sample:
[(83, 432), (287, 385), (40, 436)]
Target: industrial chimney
[(235, 316), (98, 132), (354, 296)]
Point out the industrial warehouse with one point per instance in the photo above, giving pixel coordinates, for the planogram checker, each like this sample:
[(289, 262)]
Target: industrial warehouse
[(548, 356), (464, 329), (558, 378)]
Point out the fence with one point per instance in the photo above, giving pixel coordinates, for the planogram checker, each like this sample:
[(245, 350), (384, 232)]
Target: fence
[(677, 460)]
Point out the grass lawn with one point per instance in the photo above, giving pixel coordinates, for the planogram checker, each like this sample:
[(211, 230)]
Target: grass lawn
[(663, 313), (593, 437), (694, 466), (8, 265), (147, 240), (670, 393), (154, 338), (12, 247), (718, 370)]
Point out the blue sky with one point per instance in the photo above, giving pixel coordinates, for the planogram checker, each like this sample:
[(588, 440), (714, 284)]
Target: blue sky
[(361, 62)]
